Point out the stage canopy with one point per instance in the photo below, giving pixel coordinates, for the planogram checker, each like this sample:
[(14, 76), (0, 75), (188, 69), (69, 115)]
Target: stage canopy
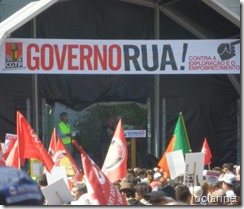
[(210, 103)]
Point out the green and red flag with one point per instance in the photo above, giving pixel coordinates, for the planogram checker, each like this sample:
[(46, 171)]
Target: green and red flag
[(179, 141)]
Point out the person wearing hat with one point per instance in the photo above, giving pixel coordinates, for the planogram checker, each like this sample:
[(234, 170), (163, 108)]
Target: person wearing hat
[(156, 180), (18, 188), (228, 181), (128, 190), (162, 195), (196, 192)]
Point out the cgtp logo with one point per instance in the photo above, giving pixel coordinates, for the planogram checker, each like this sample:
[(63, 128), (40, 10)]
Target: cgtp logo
[(13, 55)]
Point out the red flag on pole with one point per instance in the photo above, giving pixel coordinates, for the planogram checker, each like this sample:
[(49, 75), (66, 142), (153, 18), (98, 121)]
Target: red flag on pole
[(62, 157), (207, 151), (101, 190), (30, 146), (115, 164), (13, 159), (2, 160), (12, 141), (53, 142)]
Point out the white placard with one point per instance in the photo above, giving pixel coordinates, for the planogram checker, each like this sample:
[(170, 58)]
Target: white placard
[(58, 172), (212, 176), (176, 163), (135, 133), (8, 137), (194, 165), (57, 193)]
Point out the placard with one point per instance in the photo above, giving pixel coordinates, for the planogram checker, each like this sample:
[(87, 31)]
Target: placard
[(57, 193), (176, 163), (135, 133), (58, 172), (194, 165)]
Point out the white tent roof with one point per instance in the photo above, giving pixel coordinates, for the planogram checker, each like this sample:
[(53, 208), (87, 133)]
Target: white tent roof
[(229, 9), (22, 16)]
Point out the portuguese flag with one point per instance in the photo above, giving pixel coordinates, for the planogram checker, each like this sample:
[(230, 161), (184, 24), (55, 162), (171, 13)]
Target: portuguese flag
[(179, 141)]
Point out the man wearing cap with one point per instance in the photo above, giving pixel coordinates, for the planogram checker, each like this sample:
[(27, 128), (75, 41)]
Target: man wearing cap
[(228, 181), (128, 190), (18, 188)]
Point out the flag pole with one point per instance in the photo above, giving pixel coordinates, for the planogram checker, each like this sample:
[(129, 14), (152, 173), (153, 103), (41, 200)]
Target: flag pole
[(183, 122), (17, 116), (193, 184)]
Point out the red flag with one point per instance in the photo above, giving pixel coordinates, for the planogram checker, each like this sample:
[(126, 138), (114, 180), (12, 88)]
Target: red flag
[(13, 159), (101, 190), (2, 160), (9, 143), (12, 141), (115, 164), (30, 146), (53, 142), (207, 151), (62, 157)]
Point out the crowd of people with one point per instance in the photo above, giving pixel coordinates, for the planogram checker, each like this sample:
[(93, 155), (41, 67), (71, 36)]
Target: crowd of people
[(139, 187)]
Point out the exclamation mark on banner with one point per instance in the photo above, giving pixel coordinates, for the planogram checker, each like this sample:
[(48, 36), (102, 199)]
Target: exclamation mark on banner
[(184, 55)]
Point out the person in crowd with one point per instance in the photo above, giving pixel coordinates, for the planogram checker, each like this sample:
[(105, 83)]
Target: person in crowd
[(42, 182), (196, 192), (213, 187), (141, 190), (217, 197), (106, 135), (217, 168), (227, 168), (18, 188), (162, 195), (237, 191), (130, 178), (156, 169), (78, 189), (238, 172), (64, 131), (156, 180), (228, 181), (204, 186), (141, 175), (130, 172), (129, 192), (149, 175), (135, 170), (79, 193), (183, 193)]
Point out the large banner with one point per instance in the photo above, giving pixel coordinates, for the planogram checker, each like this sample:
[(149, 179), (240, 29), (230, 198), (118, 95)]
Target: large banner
[(69, 56)]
